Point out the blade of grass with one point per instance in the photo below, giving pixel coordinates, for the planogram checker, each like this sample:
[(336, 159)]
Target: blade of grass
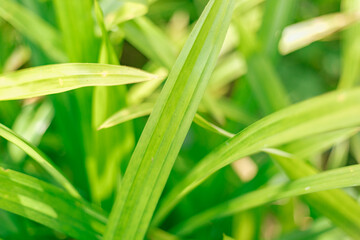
[(278, 14), (39, 157), (127, 114), (339, 155), (77, 27), (34, 28), (146, 108), (151, 41), (304, 148), (124, 10), (202, 122), (45, 80), (304, 33), (50, 206), (261, 74), (351, 51), (321, 229), (322, 114), (32, 123), (110, 148), (339, 178), (168, 124), (336, 205)]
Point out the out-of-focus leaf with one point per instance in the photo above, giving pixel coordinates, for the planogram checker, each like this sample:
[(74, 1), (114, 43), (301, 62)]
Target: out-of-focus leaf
[(350, 74), (301, 34), (32, 123), (151, 41), (111, 148), (146, 108), (124, 10), (34, 28), (77, 29)]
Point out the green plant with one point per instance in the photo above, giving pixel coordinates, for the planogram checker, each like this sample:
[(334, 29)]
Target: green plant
[(274, 150)]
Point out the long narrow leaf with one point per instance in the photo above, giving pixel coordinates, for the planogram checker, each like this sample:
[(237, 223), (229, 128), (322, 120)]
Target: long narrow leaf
[(326, 113), (34, 28), (339, 178), (39, 157), (50, 206), (44, 80), (168, 124), (336, 205), (145, 109)]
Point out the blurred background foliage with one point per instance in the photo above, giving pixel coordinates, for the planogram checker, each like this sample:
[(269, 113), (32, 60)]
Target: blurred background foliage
[(310, 61)]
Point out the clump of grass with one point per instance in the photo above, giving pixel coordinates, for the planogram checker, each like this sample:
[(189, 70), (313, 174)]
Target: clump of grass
[(92, 148)]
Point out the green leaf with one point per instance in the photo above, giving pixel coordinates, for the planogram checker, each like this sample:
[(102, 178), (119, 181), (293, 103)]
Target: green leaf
[(76, 22), (261, 74), (168, 124), (34, 28), (50, 79), (110, 148), (336, 205), (302, 34), (321, 229), (337, 110), (278, 14), (151, 41), (307, 147), (350, 73), (145, 109), (123, 10), (127, 114), (50, 206), (32, 123), (39, 157), (339, 155), (339, 178), (202, 122)]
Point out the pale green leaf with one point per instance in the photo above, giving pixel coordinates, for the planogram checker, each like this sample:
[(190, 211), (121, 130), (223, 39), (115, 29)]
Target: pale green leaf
[(336, 205), (32, 123), (322, 114), (301, 34), (151, 41), (168, 124), (50, 79), (123, 10), (339, 178), (146, 108), (34, 28), (39, 157), (50, 206)]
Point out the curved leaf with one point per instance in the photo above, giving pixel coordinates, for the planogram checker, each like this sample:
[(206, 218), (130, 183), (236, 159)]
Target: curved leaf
[(39, 157), (146, 108), (326, 113), (168, 124), (50, 79), (338, 178), (50, 206), (34, 28)]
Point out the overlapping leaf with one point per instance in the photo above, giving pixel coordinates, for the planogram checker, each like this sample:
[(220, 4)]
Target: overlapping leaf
[(50, 79), (330, 112), (50, 206), (168, 124)]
